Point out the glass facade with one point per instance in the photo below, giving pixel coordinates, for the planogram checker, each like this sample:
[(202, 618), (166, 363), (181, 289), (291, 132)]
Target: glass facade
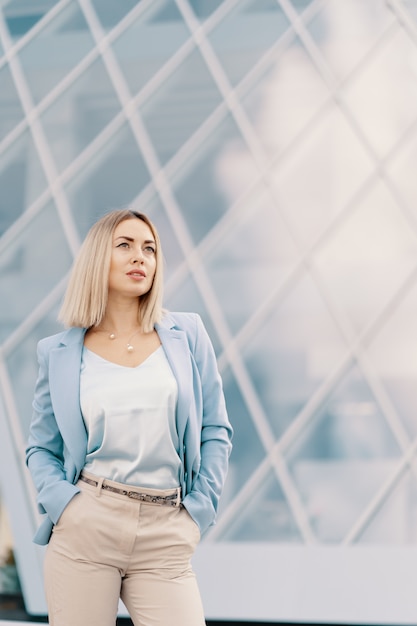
[(273, 144)]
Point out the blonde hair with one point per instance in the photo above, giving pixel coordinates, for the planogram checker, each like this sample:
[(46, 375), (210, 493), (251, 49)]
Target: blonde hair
[(85, 300)]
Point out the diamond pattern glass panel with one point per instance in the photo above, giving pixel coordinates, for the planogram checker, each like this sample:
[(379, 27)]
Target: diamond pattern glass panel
[(22, 15), (112, 11), (291, 85), (246, 34), (302, 327), (383, 96), (148, 43), (396, 518), (73, 121), (273, 143), (332, 164), (346, 32), (56, 50), (180, 106), (111, 179), (221, 169), (266, 517), (37, 263), (391, 352), (384, 250), (22, 179), (253, 254), (23, 368), (11, 108)]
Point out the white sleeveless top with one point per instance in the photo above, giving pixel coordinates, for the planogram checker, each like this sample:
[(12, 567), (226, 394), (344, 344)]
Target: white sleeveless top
[(129, 413)]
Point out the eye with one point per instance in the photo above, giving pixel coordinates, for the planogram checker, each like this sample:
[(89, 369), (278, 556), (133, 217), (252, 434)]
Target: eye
[(149, 249), (124, 244)]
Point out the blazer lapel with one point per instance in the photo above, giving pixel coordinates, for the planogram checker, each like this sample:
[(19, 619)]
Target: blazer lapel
[(64, 377), (175, 345)]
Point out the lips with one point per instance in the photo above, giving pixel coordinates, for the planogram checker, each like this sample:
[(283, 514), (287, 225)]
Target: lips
[(137, 274)]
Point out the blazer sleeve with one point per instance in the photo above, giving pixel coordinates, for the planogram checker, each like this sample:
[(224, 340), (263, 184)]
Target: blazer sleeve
[(45, 448), (216, 435)]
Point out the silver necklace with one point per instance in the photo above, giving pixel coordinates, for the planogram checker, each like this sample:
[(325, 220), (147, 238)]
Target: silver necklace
[(129, 346)]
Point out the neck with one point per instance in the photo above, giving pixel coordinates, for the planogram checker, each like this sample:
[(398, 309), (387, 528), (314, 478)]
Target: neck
[(120, 320)]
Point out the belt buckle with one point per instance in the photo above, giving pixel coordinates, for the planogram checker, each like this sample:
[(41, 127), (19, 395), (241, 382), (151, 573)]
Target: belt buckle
[(134, 495)]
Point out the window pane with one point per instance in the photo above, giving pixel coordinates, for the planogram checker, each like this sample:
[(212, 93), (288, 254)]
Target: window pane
[(346, 31), (250, 258), (23, 367), (149, 42), (21, 179), (22, 15), (220, 170), (265, 517), (291, 353), (383, 95), (37, 260), (368, 258), (11, 112), (112, 11), (291, 85), (331, 164), (246, 34), (56, 50), (80, 114), (110, 180), (180, 106)]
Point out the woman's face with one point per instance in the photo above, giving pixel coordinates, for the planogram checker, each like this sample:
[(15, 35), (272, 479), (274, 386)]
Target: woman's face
[(133, 259)]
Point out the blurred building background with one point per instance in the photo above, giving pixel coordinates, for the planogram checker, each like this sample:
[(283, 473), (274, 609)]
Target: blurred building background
[(274, 145)]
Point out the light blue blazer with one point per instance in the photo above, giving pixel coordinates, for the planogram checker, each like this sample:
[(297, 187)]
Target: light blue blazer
[(57, 444)]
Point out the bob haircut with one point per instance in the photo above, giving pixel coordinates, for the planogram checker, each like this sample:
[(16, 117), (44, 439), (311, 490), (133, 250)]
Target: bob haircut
[(85, 299)]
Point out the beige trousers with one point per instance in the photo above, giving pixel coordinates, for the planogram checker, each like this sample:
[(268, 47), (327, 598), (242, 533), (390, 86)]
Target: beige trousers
[(107, 546)]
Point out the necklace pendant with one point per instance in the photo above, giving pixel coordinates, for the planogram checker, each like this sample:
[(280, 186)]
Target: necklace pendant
[(129, 347), (112, 336)]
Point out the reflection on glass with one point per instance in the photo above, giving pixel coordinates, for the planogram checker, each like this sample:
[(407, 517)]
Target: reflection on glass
[(11, 112), (246, 34), (345, 31), (291, 85), (23, 367), (111, 180), (30, 267), (204, 9), (173, 256), (393, 357), (347, 442), (336, 492), (112, 11), (80, 114), (266, 516), (187, 297), (301, 5), (221, 170), (22, 179), (56, 50), (180, 106), (395, 521), (350, 425), (250, 258), (383, 96), (21, 17), (320, 176), (291, 353), (401, 170), (149, 42), (368, 257), (242, 464)]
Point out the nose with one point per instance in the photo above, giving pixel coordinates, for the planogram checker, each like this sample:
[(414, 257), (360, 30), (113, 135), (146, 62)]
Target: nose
[(137, 257)]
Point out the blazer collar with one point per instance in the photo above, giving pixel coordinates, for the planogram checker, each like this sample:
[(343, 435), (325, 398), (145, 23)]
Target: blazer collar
[(175, 344)]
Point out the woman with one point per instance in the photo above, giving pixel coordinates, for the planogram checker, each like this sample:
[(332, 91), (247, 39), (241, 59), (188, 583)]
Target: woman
[(129, 440)]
